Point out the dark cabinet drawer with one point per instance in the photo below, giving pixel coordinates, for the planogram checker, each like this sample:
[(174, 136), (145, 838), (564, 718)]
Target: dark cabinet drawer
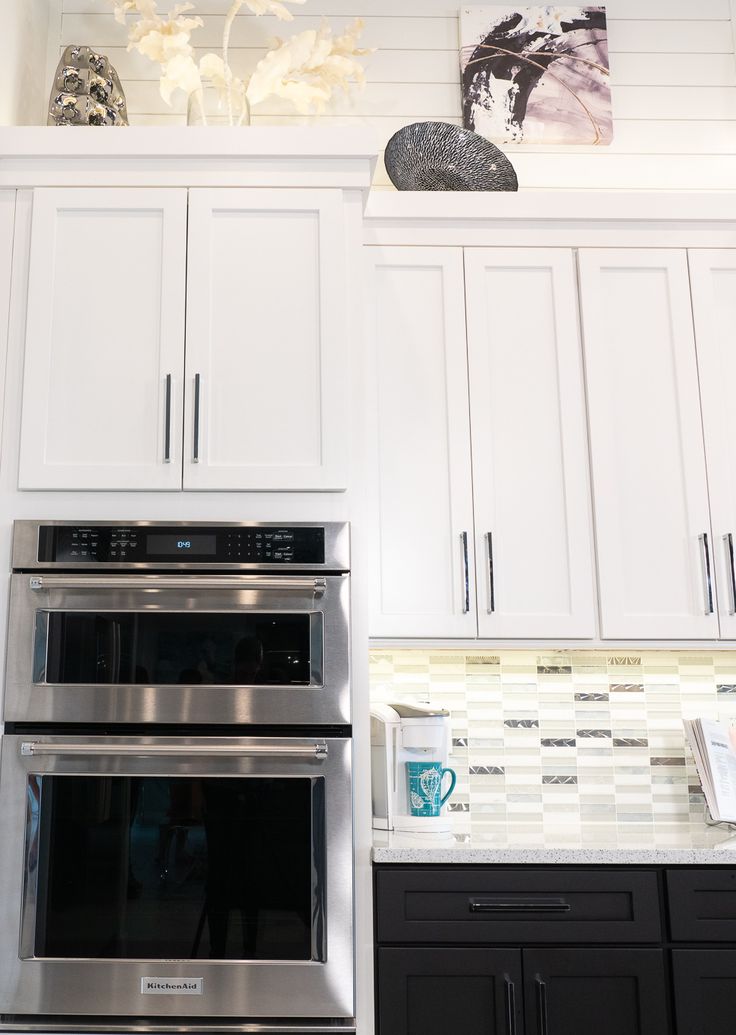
[(522, 906), (705, 990), (702, 905)]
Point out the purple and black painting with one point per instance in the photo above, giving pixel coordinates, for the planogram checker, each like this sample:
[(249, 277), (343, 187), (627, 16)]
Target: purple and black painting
[(536, 74)]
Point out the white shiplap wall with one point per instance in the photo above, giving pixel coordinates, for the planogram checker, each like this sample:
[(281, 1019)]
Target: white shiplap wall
[(672, 64)]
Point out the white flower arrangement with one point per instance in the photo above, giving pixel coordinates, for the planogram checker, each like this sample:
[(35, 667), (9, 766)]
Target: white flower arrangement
[(306, 69)]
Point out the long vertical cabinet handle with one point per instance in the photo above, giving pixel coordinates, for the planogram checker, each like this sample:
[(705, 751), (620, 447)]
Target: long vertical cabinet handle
[(728, 540), (197, 392), (491, 575), (466, 572), (707, 573), (510, 994), (167, 421), (542, 1028)]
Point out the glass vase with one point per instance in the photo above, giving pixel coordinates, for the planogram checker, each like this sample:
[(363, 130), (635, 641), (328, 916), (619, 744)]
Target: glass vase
[(208, 107)]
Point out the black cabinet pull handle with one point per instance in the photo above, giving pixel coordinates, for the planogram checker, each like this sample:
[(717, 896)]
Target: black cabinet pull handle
[(728, 540), (541, 1006), (510, 993), (707, 575), (466, 572), (167, 419), (197, 390), (491, 575), (518, 905)]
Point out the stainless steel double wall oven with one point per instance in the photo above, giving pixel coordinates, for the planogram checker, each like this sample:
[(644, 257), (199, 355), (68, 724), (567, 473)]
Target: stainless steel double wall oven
[(175, 786)]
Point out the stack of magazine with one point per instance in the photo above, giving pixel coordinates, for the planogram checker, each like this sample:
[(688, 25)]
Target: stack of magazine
[(715, 759)]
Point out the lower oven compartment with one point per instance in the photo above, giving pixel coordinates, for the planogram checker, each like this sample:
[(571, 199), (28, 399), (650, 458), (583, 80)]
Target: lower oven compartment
[(164, 877)]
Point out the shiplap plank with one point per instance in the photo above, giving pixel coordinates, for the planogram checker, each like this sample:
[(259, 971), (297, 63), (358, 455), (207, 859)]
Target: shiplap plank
[(673, 70), (402, 33), (442, 66), (442, 100), (674, 102), (438, 100), (389, 33), (384, 66), (705, 10)]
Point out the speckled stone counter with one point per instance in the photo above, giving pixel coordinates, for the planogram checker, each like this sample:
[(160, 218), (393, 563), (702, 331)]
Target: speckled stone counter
[(693, 846)]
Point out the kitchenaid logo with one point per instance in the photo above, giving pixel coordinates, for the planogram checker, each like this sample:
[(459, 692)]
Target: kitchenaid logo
[(171, 986)]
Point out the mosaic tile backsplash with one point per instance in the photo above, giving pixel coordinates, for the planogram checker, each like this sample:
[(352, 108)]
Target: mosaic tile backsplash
[(556, 746)]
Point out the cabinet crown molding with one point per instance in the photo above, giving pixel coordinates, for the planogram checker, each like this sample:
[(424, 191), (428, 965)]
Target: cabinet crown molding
[(181, 156)]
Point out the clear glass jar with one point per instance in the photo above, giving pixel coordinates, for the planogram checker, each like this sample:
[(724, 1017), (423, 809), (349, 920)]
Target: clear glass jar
[(207, 107)]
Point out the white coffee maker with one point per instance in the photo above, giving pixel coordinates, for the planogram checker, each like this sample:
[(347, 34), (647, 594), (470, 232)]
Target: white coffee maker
[(402, 733)]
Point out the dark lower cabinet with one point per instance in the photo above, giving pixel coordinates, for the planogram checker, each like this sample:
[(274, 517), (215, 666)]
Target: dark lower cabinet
[(595, 992), (496, 950), (705, 991), (443, 991), (473, 991)]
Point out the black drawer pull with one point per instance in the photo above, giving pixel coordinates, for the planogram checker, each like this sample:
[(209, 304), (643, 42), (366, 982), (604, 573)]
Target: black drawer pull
[(518, 905), (510, 1006), (541, 1006)]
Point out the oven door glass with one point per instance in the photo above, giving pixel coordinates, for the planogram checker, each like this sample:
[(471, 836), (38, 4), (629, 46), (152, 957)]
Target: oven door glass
[(183, 868), (164, 648)]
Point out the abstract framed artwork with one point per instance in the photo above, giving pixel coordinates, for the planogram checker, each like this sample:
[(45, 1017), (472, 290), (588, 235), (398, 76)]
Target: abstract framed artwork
[(537, 75)]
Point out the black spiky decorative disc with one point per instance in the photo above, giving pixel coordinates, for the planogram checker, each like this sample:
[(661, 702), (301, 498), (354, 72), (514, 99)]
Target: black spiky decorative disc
[(439, 156)]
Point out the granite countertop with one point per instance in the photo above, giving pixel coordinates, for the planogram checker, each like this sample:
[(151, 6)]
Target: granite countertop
[(694, 845)]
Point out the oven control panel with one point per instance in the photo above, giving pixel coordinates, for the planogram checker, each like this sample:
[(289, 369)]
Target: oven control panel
[(197, 544)]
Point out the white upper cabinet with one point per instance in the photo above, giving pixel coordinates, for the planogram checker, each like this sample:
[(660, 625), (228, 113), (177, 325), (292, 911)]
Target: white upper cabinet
[(422, 572), (102, 385), (654, 542), (713, 284), (530, 462), (7, 223), (266, 397)]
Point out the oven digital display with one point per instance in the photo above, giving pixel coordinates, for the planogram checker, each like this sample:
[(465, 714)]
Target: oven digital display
[(182, 543)]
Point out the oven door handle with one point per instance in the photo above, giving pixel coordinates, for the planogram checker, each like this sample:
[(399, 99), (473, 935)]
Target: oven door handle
[(254, 583), (317, 749)]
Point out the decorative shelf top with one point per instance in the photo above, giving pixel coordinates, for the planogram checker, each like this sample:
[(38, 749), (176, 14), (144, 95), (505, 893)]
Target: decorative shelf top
[(259, 156)]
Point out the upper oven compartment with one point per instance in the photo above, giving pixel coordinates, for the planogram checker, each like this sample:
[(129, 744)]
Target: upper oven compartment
[(199, 649)]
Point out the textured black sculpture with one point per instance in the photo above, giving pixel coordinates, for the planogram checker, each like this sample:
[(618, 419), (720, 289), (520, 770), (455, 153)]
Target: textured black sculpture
[(438, 156)]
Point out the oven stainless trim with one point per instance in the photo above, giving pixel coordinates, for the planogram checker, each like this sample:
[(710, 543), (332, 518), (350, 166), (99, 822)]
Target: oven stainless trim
[(67, 987), (337, 547), (325, 702), (52, 1024), (255, 583)]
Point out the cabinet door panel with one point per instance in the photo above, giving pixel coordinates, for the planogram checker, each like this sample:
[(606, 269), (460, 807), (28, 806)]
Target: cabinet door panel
[(420, 435), (713, 280), (436, 991), (530, 464), (705, 990), (266, 335), (105, 329), (648, 463), (606, 991), (7, 224)]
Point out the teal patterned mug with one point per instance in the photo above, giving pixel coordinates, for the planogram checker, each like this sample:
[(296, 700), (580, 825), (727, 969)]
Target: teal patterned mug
[(425, 787)]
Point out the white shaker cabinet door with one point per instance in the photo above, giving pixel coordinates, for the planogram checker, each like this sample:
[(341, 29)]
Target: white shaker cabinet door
[(422, 571), (7, 225), (267, 348), (104, 358), (530, 463), (654, 542), (713, 283)]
